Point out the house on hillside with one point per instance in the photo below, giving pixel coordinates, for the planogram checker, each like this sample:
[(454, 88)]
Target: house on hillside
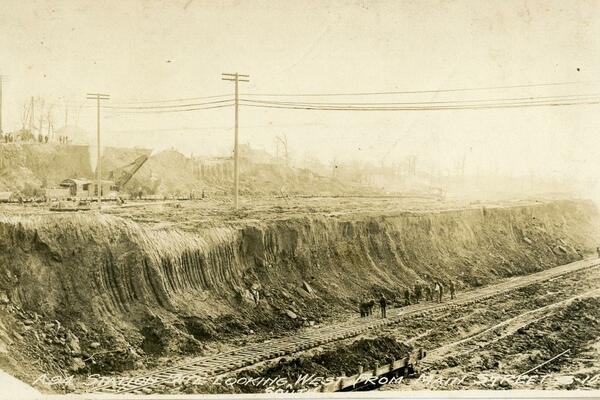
[(255, 156)]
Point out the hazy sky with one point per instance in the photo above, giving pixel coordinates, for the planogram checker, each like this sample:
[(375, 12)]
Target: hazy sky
[(150, 50)]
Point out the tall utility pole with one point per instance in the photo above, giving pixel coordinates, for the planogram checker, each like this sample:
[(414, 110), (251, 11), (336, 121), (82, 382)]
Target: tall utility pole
[(236, 162), (98, 97)]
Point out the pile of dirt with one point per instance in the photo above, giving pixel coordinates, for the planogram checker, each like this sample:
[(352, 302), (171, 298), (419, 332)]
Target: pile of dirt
[(571, 328), (560, 337), (342, 360), (28, 168)]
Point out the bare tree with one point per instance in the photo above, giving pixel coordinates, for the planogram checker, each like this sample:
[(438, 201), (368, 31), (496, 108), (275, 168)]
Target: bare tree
[(25, 114)]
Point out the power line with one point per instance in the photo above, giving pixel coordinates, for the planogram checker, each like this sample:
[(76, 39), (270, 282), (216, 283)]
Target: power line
[(415, 91), (144, 112), (167, 107), (472, 105), (161, 101), (174, 100), (199, 128), (470, 101), (174, 106)]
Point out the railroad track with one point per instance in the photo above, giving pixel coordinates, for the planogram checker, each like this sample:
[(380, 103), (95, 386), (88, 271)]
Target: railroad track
[(224, 363)]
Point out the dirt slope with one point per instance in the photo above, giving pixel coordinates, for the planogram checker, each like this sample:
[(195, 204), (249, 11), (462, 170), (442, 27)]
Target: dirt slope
[(27, 168), (141, 292)]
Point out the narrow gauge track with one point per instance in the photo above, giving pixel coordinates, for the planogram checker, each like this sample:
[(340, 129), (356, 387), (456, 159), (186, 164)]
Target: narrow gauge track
[(227, 362), (508, 326)]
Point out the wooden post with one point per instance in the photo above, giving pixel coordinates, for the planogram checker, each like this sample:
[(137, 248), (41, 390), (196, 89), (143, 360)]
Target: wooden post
[(236, 78)]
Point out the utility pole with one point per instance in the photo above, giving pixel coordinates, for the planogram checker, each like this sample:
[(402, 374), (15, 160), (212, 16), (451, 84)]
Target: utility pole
[(98, 97), (236, 162)]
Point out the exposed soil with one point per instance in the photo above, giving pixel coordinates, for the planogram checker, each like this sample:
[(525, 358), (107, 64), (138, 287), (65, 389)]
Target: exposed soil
[(28, 168), (147, 296), (342, 359), (489, 347)]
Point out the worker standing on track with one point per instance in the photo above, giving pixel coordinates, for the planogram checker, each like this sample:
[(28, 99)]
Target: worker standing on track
[(406, 296), (598, 251), (418, 292), (439, 289), (382, 305), (427, 292), (452, 290)]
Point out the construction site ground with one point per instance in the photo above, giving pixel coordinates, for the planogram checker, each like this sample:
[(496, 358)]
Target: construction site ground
[(156, 290), (215, 211), (484, 339)]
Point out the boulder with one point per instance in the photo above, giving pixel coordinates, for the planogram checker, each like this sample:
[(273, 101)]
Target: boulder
[(307, 287), (4, 298), (73, 343), (94, 345), (291, 314), (77, 364)]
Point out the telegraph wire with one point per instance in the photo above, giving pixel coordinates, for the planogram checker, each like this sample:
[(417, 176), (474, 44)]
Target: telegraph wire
[(174, 106), (416, 91), (134, 112), (473, 101), (175, 100), (430, 108)]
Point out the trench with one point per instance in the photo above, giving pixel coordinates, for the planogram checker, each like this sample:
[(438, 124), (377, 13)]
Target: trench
[(140, 292)]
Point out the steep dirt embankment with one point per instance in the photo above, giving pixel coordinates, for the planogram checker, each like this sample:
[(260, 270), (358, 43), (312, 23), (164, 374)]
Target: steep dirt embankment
[(127, 286), (29, 167)]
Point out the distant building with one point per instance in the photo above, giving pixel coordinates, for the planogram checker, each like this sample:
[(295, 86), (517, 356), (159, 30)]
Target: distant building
[(256, 156)]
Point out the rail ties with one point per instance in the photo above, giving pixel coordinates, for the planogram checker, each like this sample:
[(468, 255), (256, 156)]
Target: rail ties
[(249, 355)]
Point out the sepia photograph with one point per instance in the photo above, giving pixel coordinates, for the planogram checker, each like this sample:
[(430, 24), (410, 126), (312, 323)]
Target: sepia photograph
[(299, 199)]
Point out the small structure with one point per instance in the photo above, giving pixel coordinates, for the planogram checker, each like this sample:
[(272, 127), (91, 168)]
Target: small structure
[(84, 188)]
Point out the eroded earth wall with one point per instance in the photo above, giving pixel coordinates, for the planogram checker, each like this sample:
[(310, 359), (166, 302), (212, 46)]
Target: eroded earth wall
[(161, 290)]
